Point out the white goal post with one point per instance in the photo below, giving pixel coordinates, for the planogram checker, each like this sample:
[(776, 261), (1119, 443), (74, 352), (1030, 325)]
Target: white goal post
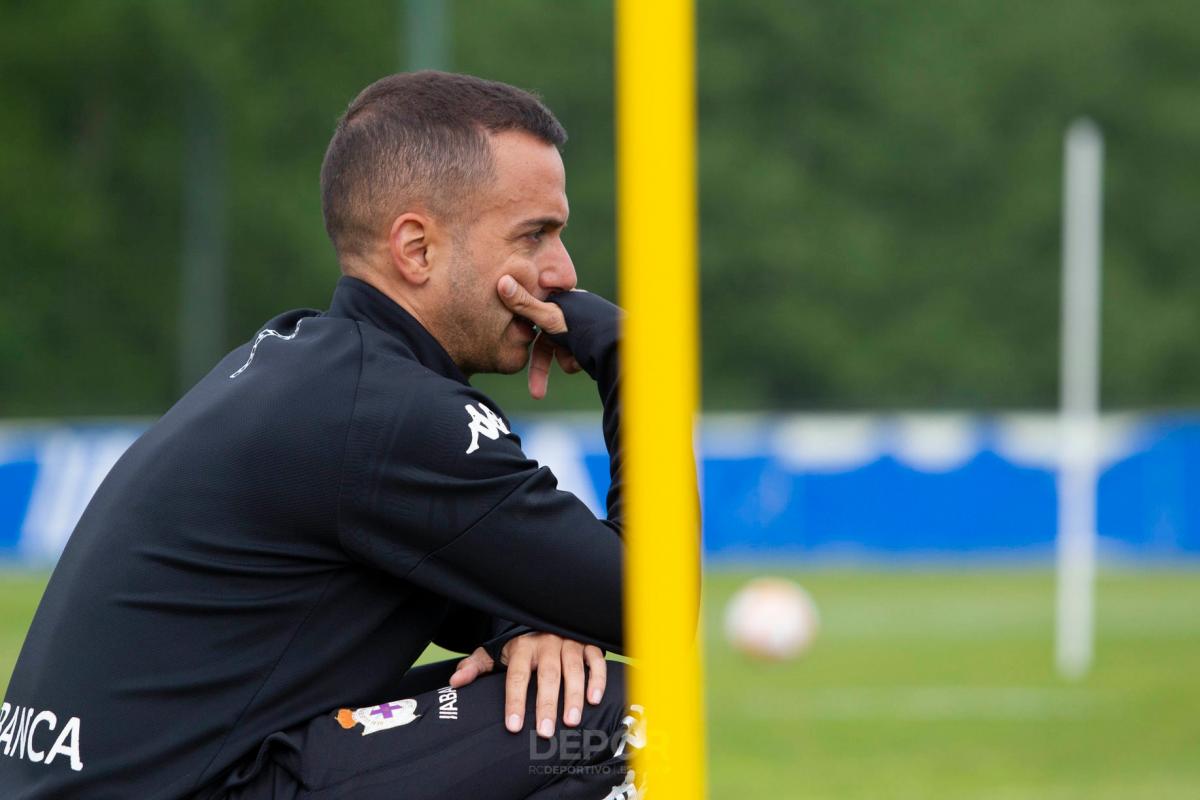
[(1080, 398)]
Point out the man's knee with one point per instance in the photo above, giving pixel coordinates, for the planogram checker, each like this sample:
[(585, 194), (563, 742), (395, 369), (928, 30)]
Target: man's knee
[(592, 759), (615, 717)]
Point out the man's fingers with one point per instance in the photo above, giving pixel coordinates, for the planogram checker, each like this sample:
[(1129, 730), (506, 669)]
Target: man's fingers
[(567, 361), (549, 670), (598, 673), (546, 316), (516, 683), (572, 666), (550, 319), (471, 668), (558, 661), (467, 672), (539, 366), (544, 353)]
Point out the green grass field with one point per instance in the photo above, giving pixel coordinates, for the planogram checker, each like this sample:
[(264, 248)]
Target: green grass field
[(936, 684)]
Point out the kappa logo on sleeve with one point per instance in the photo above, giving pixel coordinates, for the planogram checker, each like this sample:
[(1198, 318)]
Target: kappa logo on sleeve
[(380, 717), (483, 421)]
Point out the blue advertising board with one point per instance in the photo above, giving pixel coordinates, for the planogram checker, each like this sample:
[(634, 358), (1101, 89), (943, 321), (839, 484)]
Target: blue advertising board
[(805, 487)]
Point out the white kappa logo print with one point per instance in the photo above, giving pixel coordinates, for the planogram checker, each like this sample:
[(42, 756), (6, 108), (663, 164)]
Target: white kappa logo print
[(264, 334), (486, 423)]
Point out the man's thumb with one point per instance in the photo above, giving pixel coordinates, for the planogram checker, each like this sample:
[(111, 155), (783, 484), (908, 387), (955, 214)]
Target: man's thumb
[(466, 673), (546, 316)]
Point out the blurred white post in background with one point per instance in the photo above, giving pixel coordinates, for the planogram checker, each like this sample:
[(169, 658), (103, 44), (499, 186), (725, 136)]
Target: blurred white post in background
[(426, 40), (202, 262), (1080, 390)]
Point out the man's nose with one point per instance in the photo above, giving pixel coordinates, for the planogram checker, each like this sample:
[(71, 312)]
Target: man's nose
[(558, 274)]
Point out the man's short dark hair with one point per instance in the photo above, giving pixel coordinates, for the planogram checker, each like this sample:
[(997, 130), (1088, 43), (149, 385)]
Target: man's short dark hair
[(419, 139)]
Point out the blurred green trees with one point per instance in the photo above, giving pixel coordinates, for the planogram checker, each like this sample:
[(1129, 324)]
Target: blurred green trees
[(880, 187)]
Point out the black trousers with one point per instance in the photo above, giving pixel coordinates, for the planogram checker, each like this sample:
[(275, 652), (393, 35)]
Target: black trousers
[(435, 742)]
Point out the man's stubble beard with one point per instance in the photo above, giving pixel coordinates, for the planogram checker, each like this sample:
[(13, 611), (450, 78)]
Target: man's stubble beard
[(474, 344)]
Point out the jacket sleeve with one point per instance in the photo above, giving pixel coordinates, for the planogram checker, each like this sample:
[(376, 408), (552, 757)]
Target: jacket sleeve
[(464, 629), (593, 330), (445, 498)]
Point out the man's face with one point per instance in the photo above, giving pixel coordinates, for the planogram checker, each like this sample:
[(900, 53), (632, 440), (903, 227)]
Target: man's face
[(515, 229)]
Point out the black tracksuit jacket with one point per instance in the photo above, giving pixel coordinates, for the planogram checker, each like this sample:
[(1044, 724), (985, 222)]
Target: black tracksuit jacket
[(288, 539)]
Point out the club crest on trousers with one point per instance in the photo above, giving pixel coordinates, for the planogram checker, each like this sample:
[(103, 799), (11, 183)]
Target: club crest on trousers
[(378, 718)]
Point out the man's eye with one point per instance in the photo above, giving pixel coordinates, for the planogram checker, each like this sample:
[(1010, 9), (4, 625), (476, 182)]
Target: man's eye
[(536, 235)]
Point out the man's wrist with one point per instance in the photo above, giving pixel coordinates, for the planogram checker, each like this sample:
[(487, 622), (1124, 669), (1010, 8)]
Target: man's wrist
[(593, 327), (495, 646)]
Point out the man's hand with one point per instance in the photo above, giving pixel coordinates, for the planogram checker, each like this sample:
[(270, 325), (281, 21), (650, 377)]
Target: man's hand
[(549, 318), (555, 659)]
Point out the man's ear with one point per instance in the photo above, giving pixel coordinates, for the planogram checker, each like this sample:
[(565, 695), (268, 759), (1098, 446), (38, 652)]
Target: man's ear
[(409, 241)]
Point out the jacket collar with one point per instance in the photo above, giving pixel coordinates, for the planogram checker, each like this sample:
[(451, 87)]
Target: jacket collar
[(360, 301)]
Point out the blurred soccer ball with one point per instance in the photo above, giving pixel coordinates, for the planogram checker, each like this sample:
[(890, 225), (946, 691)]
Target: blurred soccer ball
[(771, 618)]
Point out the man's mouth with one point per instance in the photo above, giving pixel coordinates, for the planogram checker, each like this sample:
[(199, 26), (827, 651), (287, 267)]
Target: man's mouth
[(525, 326)]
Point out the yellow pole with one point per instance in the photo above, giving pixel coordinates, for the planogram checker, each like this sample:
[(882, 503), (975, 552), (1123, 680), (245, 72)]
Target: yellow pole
[(656, 192)]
